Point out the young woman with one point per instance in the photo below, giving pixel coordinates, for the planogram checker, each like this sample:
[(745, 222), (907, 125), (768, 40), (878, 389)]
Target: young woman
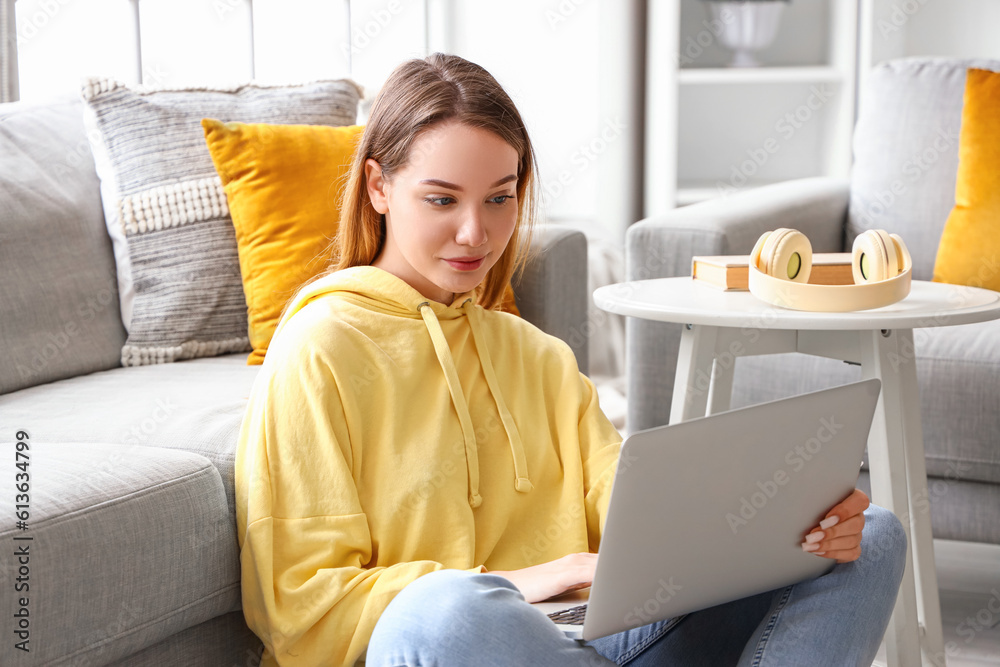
[(415, 465)]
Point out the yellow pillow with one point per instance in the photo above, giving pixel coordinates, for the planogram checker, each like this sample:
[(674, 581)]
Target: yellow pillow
[(283, 186), (970, 244)]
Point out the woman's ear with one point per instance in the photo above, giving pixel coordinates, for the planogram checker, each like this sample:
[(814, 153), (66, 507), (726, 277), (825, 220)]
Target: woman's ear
[(375, 182)]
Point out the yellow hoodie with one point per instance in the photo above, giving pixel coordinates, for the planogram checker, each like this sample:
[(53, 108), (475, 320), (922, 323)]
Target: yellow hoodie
[(388, 436)]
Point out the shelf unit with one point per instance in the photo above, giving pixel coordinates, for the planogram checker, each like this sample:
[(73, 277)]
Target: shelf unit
[(712, 129), (726, 75)]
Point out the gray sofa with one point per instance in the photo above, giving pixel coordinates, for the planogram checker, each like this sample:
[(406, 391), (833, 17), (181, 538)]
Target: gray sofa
[(132, 556), (903, 180)]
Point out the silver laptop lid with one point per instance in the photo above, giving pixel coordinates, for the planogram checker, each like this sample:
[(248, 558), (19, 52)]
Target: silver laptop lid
[(714, 509)]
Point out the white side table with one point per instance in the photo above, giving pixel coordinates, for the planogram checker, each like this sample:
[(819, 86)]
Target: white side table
[(721, 326)]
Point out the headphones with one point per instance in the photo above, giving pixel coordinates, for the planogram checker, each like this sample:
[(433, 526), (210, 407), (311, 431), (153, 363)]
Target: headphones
[(781, 262)]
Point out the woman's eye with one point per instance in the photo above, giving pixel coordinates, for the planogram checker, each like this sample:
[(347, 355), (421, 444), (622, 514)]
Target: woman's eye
[(439, 201), (501, 199)]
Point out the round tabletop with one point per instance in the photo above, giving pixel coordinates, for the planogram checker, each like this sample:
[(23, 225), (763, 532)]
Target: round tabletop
[(687, 301)]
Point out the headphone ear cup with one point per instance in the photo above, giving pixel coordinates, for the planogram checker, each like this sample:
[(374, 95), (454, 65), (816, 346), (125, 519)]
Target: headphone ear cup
[(767, 250), (902, 253), (892, 263), (755, 254), (874, 257), (788, 255)]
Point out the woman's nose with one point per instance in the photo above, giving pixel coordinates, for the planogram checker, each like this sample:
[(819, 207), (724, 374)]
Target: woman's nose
[(472, 232)]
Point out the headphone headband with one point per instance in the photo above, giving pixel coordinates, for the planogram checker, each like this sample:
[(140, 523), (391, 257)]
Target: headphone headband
[(830, 298)]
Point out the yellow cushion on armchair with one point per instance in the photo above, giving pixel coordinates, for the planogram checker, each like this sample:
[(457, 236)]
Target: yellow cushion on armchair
[(969, 251)]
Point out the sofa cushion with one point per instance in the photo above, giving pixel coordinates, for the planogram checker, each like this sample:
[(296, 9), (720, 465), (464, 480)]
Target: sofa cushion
[(963, 511), (225, 640), (59, 312), (906, 152), (958, 369), (195, 405), (130, 545), (164, 199)]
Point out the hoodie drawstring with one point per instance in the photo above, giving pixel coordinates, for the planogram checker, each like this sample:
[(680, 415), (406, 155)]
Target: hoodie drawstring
[(522, 483), (457, 397)]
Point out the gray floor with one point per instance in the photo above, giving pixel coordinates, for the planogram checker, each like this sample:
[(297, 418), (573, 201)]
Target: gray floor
[(969, 585)]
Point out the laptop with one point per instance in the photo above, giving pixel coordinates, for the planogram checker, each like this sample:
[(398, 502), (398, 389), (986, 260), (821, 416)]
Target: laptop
[(714, 509)]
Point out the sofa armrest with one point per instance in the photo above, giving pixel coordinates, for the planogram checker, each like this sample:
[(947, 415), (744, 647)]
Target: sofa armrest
[(552, 291), (663, 246)]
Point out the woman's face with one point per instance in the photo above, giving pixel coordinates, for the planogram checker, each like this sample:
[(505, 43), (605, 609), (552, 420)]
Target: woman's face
[(449, 212)]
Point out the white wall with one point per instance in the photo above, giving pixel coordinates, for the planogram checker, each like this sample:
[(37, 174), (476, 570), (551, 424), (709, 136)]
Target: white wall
[(572, 66), (59, 41), (541, 57), (546, 53), (966, 28), (969, 28)]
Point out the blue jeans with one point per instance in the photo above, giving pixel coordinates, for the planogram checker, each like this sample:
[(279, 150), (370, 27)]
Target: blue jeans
[(452, 617)]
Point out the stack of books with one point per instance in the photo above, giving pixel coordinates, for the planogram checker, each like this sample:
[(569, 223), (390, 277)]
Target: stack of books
[(731, 272)]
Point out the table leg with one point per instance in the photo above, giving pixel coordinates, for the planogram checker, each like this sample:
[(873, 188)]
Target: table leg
[(928, 600), (887, 458), (694, 372), (721, 393)]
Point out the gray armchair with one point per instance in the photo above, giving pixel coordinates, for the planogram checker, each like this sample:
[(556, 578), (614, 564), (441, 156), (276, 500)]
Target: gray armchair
[(903, 180)]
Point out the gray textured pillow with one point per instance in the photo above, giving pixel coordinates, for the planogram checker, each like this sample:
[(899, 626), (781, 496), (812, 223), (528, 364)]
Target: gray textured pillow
[(164, 203), (906, 152)]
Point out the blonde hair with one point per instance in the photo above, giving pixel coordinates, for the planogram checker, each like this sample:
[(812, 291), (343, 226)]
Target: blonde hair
[(418, 95)]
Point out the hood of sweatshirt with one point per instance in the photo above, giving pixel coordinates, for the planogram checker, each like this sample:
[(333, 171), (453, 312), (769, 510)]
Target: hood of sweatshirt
[(381, 291)]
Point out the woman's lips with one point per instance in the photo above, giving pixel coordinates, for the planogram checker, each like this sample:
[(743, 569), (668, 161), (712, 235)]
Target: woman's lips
[(464, 264)]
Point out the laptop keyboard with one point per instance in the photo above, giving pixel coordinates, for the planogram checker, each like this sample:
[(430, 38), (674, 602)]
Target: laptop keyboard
[(571, 616)]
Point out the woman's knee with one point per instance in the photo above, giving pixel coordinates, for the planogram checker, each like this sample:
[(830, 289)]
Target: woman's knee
[(884, 539), (433, 606)]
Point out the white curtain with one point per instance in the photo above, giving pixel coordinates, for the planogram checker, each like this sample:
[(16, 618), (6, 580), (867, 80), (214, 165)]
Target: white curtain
[(8, 52)]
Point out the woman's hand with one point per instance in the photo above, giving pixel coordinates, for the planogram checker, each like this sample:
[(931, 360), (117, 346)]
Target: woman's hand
[(838, 536), (540, 582)]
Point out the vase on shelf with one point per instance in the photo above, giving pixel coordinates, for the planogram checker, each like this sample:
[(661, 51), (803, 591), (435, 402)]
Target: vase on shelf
[(747, 26)]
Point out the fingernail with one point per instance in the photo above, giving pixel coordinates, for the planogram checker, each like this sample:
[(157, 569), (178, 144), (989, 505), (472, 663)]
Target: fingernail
[(815, 537), (809, 546), (830, 522), (819, 553)]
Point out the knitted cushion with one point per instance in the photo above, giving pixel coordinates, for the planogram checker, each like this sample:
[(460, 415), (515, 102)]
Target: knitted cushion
[(167, 213)]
